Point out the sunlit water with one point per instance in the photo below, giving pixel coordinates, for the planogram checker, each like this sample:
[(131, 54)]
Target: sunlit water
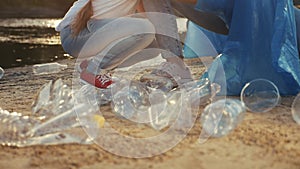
[(34, 31), (29, 41), (29, 22)]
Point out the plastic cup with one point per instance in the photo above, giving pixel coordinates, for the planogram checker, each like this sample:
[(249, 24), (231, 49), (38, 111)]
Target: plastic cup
[(296, 109), (260, 95)]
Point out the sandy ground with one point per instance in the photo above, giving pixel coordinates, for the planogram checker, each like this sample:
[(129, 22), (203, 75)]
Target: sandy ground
[(261, 141)]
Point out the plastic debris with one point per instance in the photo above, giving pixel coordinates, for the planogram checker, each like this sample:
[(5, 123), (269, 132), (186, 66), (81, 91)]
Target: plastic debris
[(221, 117), (177, 105), (1, 72), (141, 103), (59, 116), (260, 95), (164, 110), (14, 128), (296, 109), (48, 68), (130, 100)]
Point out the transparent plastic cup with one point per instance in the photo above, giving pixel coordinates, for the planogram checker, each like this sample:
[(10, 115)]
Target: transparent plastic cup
[(260, 95), (296, 109)]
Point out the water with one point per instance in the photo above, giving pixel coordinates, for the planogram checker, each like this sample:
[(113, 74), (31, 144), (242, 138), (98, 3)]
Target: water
[(29, 41)]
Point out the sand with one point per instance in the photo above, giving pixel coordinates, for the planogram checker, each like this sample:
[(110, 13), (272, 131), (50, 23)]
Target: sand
[(268, 140)]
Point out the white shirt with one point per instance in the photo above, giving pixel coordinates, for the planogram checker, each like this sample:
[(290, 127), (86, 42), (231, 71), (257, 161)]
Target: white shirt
[(101, 9), (113, 8)]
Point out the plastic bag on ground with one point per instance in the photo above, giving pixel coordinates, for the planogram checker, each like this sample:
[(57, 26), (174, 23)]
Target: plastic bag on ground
[(262, 43)]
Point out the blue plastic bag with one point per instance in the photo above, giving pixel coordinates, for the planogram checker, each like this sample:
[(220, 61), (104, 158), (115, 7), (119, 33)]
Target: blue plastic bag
[(201, 42), (262, 43)]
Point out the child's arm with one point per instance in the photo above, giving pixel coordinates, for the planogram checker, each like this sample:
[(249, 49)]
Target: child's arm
[(140, 7)]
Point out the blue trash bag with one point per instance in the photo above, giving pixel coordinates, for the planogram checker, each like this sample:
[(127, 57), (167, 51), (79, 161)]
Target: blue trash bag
[(201, 42), (262, 43)]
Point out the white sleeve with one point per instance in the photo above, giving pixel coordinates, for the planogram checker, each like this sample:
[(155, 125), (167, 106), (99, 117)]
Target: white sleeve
[(70, 15)]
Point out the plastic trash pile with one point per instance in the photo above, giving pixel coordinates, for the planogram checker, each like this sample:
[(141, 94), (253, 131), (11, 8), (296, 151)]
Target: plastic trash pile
[(60, 114), (54, 119), (141, 103)]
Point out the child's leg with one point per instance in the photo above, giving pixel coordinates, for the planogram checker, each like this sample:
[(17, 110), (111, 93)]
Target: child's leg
[(72, 44), (120, 28), (148, 53), (116, 42), (119, 51)]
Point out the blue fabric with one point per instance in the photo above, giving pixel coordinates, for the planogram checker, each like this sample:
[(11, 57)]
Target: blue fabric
[(195, 46), (262, 43)]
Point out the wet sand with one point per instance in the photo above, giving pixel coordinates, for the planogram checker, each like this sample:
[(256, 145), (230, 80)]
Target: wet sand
[(269, 140)]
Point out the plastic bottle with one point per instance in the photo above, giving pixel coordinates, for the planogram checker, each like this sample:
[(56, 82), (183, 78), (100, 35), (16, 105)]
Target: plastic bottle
[(164, 110), (53, 98), (1, 72), (48, 68), (131, 101), (20, 131), (200, 92), (63, 121), (221, 117), (15, 128), (296, 109)]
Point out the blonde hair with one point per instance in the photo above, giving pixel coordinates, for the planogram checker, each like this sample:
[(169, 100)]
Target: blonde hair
[(81, 19)]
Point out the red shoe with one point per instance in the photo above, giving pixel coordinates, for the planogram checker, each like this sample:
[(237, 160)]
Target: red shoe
[(99, 81)]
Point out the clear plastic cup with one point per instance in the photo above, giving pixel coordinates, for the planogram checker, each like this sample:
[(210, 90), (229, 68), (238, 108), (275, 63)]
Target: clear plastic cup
[(296, 109), (260, 95)]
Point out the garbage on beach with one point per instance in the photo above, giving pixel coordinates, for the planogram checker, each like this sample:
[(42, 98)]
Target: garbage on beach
[(54, 119), (141, 103), (296, 109), (48, 68), (1, 72), (60, 114), (260, 95), (222, 117)]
